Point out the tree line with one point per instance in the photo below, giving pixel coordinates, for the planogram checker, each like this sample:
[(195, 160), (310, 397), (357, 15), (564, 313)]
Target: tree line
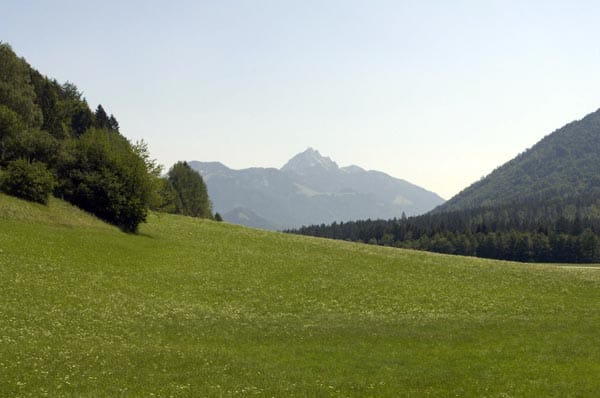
[(565, 229), (52, 143)]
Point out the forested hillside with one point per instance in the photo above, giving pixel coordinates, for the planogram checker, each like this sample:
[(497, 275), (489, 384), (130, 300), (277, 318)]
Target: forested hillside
[(51, 143), (542, 206), (561, 167), (528, 232)]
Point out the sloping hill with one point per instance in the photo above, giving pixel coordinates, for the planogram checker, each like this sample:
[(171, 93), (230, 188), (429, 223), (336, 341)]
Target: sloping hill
[(310, 189), (192, 307), (56, 213), (565, 164)]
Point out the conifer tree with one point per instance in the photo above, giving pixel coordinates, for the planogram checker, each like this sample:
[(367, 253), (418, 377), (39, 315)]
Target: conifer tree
[(113, 124), (101, 120)]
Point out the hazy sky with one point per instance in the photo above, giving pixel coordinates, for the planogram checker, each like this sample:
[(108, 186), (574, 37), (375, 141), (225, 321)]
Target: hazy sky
[(436, 92)]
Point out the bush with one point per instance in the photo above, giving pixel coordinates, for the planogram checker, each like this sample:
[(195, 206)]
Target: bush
[(27, 180), (103, 174), (33, 144)]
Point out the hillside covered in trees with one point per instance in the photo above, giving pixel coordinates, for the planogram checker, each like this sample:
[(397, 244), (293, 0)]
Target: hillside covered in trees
[(52, 143), (562, 166), (542, 206)]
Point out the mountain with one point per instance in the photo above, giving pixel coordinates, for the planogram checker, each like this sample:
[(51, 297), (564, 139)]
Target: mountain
[(564, 164), (542, 206), (309, 189), (244, 216)]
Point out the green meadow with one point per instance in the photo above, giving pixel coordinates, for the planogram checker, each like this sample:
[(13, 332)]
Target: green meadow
[(191, 307)]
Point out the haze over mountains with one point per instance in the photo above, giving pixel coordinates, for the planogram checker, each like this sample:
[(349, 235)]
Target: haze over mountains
[(310, 189)]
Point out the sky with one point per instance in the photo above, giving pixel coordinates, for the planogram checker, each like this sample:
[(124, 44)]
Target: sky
[(438, 93)]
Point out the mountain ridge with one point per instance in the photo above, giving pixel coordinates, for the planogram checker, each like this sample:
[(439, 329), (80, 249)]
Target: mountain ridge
[(311, 188), (542, 206), (564, 163)]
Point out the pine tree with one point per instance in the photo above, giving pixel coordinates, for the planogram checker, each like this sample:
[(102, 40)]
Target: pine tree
[(113, 124), (101, 120)]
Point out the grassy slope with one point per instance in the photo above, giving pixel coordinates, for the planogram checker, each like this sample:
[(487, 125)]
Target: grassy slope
[(197, 308)]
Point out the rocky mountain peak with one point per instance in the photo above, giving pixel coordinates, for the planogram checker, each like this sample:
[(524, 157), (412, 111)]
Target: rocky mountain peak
[(308, 160)]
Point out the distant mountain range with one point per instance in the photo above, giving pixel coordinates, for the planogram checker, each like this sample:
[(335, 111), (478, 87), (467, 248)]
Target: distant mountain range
[(310, 189), (542, 206), (561, 167)]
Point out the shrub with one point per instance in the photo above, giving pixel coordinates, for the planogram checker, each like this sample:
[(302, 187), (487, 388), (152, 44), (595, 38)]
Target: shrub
[(103, 174), (28, 180), (33, 144)]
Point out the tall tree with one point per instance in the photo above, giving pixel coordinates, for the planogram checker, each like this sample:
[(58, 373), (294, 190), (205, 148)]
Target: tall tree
[(113, 124), (101, 120), (191, 191), (10, 127), (48, 100), (82, 119), (16, 91)]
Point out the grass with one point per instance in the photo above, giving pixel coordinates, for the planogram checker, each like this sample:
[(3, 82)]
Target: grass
[(197, 308)]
